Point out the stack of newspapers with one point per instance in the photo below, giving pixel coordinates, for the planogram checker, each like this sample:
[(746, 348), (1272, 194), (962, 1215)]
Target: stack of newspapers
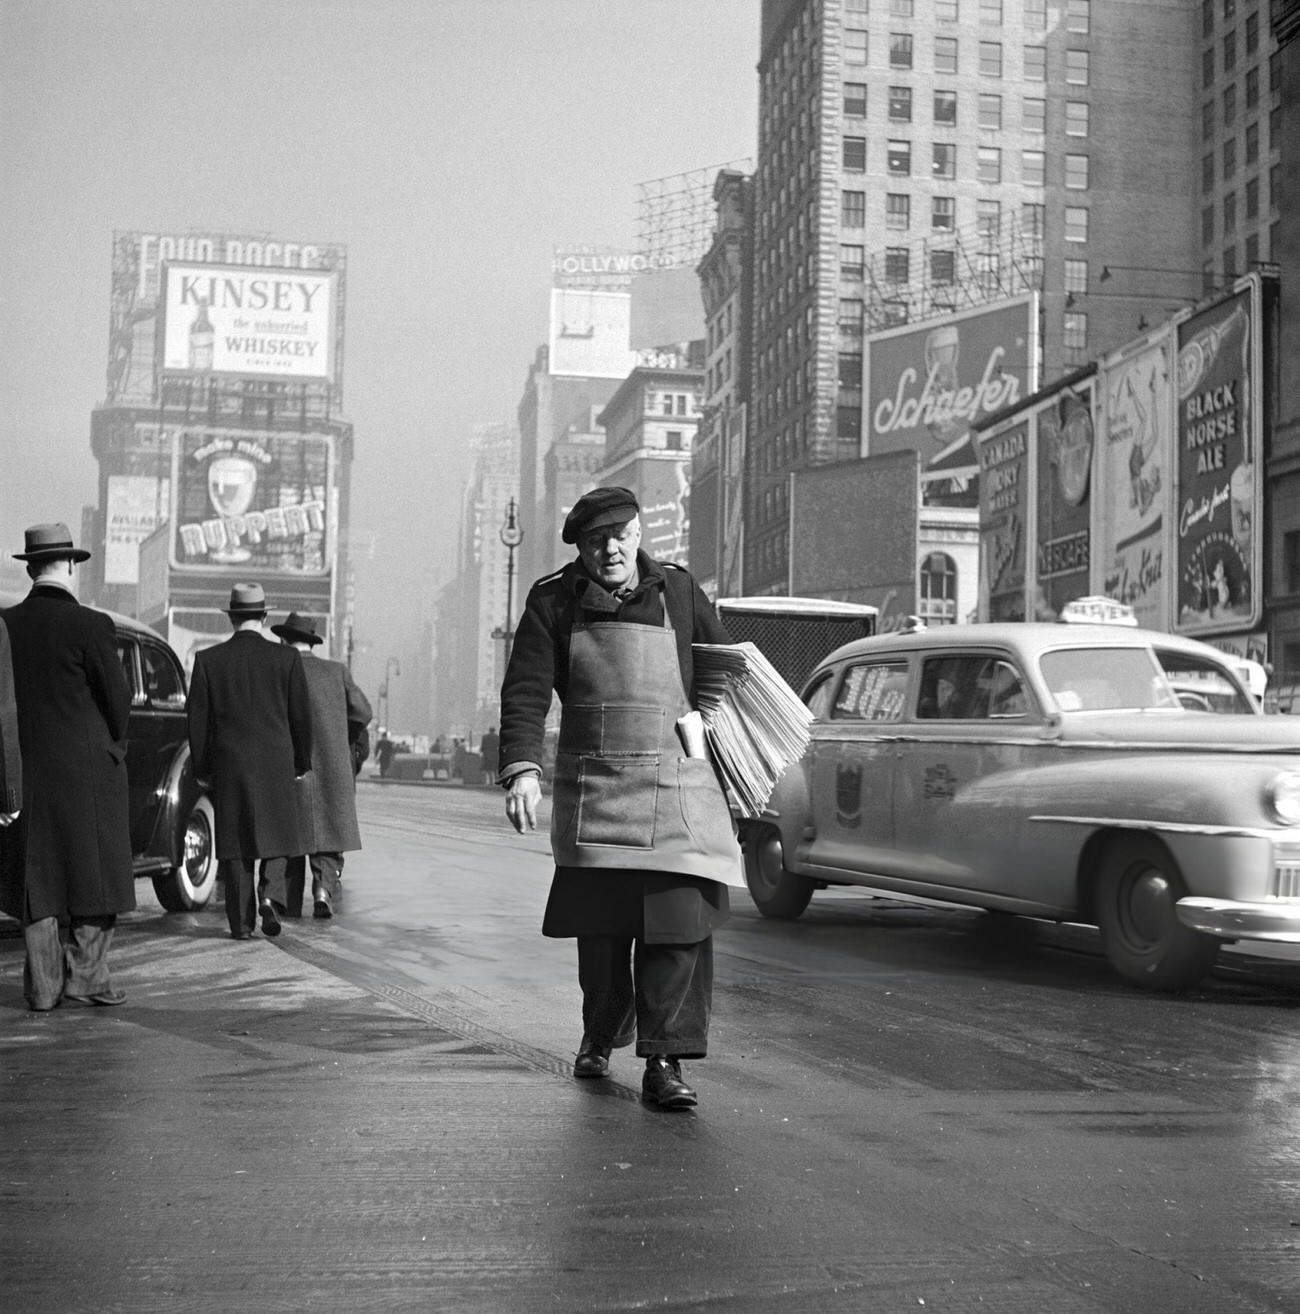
[(754, 723)]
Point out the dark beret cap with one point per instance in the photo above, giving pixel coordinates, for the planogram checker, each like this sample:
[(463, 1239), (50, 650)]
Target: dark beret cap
[(598, 508)]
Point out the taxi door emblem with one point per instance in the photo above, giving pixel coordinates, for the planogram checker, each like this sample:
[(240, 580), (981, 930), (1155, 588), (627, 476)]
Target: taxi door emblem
[(848, 796)]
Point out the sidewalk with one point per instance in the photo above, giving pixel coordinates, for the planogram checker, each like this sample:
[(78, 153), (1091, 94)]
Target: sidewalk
[(249, 1126)]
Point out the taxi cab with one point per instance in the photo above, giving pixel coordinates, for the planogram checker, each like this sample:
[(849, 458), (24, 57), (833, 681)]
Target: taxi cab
[(1089, 773)]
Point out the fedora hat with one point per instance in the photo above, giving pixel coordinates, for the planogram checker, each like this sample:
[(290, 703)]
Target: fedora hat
[(247, 600), (298, 629), (50, 543)]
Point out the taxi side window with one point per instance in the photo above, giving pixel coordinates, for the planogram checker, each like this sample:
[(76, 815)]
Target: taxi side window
[(818, 698), (872, 691), (971, 687), (163, 682)]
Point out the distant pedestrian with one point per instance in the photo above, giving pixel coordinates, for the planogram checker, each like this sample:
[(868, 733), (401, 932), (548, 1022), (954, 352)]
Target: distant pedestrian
[(67, 860), (327, 794), (250, 736), (385, 750), (489, 751)]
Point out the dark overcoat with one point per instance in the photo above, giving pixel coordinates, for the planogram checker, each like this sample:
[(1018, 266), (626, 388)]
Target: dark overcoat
[(69, 852), (327, 794), (11, 762), (250, 735), (659, 907)]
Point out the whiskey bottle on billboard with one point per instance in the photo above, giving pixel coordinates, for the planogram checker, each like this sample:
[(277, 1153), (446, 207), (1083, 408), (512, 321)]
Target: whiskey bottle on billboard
[(202, 338)]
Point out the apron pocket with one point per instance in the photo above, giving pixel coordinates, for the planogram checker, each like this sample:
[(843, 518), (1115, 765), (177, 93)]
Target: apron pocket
[(704, 806), (617, 800)]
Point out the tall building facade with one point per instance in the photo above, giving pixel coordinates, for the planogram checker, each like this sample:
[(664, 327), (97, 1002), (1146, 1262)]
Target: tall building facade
[(1241, 137), (917, 159), (222, 451), (717, 465)]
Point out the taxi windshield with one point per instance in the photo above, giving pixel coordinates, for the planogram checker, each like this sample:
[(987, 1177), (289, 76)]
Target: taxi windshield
[(1105, 679)]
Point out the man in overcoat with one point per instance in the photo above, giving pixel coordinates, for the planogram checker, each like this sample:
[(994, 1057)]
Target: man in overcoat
[(67, 859), (11, 762), (642, 839), (250, 736), (327, 794)]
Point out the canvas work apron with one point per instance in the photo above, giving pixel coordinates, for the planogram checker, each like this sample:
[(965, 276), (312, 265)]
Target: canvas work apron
[(626, 796)]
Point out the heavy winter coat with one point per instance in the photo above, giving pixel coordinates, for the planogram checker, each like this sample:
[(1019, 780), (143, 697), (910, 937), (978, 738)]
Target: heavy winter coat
[(11, 762), (327, 794), (69, 852), (250, 734), (539, 657)]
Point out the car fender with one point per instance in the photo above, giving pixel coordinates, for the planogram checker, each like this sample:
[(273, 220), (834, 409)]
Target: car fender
[(789, 811)]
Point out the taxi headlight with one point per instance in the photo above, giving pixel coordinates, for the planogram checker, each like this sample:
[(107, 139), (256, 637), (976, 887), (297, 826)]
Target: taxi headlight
[(1284, 797)]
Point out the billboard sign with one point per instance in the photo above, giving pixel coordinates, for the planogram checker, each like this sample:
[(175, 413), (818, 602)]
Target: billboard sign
[(249, 322), (140, 264), (591, 334), (1064, 442), (1218, 556), (1004, 520), (663, 487), (926, 385), (135, 505), (252, 503), (608, 267), (1133, 476)]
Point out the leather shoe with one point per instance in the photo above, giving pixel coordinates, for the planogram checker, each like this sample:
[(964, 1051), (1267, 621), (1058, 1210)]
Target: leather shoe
[(105, 998), (592, 1061), (663, 1084), (270, 921), (322, 907)]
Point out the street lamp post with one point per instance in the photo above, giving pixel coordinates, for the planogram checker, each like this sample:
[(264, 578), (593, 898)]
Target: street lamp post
[(511, 535)]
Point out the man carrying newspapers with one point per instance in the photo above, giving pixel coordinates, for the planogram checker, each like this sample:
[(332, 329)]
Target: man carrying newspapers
[(643, 841)]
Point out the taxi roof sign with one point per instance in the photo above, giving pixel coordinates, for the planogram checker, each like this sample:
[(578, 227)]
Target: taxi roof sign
[(1098, 610)]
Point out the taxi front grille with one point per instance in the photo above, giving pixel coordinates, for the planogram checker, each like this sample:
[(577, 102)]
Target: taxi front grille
[(1286, 878)]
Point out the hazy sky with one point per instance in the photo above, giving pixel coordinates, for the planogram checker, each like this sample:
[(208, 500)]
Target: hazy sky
[(449, 143)]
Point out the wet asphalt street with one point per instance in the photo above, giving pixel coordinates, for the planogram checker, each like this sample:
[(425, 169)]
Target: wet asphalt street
[(905, 1109)]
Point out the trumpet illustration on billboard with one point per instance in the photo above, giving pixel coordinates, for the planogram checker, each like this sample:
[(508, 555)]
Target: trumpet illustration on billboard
[(232, 481)]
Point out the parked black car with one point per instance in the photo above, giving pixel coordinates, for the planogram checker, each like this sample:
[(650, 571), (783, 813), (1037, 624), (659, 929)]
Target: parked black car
[(171, 817)]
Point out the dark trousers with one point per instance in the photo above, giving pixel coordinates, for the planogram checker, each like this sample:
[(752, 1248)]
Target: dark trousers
[(326, 878), (242, 889), (80, 966), (658, 994)]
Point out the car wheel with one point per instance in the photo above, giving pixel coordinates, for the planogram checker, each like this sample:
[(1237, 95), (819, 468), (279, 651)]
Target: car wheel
[(190, 883), (777, 892), (1137, 889)]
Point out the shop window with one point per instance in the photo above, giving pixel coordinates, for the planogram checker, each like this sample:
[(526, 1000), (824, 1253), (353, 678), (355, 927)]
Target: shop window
[(939, 589)]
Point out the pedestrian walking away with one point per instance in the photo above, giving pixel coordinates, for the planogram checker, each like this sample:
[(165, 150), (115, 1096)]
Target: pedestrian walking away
[(250, 737), (65, 863), (489, 751), (643, 842), (327, 794)]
